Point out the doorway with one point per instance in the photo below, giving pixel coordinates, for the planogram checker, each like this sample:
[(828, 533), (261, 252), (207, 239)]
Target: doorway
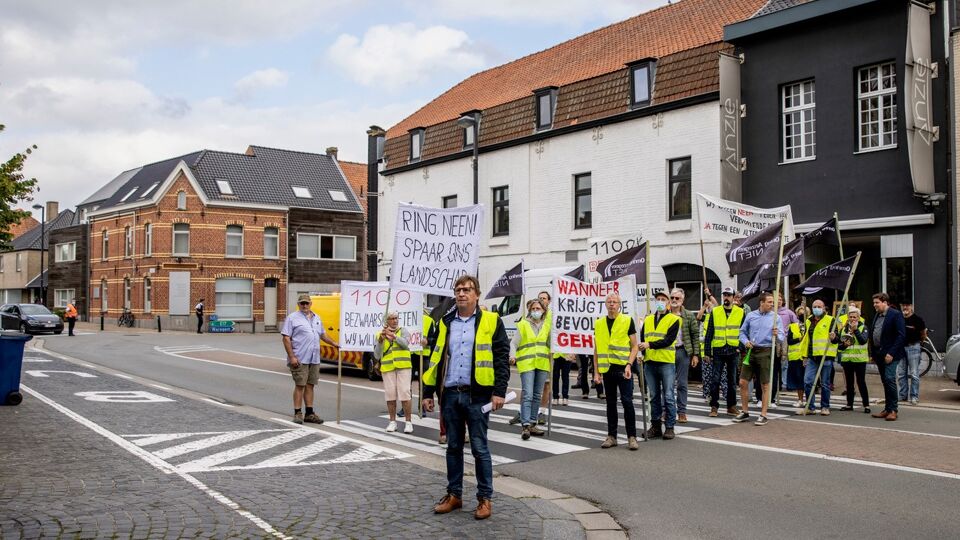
[(270, 302)]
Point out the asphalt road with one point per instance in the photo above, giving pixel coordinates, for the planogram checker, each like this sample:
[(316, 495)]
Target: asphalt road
[(854, 477)]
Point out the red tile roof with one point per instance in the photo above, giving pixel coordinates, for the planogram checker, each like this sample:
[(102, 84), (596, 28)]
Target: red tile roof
[(23, 226), (356, 174), (667, 30)]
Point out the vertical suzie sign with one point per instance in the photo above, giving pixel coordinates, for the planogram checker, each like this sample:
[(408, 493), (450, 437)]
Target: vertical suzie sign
[(577, 304), (435, 246), (919, 69), (362, 305), (731, 160)]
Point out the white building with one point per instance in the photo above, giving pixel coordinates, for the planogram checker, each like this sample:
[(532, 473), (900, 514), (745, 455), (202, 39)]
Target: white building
[(608, 134)]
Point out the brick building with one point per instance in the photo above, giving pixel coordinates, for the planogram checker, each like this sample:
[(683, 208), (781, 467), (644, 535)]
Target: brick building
[(21, 276), (243, 231)]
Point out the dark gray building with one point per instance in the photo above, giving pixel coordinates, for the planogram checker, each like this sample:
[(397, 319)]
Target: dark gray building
[(843, 105), (68, 269)]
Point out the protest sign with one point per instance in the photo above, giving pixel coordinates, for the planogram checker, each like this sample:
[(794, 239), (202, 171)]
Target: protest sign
[(601, 248), (363, 305), (435, 246), (577, 304), (727, 220)]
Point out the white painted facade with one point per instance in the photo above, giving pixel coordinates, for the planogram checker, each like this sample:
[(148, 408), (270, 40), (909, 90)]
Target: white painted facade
[(628, 162)]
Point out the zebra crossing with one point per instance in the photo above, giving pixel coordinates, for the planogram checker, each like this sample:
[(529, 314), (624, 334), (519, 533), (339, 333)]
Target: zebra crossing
[(210, 451), (582, 425)]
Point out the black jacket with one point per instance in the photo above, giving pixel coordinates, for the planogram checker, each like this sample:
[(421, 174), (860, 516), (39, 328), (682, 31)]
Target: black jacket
[(501, 360)]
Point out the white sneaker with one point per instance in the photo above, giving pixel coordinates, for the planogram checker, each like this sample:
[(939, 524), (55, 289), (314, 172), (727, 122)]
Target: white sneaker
[(914, 401), (565, 401), (392, 426), (408, 427), (556, 402)]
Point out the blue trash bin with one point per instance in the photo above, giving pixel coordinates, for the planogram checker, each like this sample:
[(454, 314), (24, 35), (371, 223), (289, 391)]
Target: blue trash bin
[(11, 363)]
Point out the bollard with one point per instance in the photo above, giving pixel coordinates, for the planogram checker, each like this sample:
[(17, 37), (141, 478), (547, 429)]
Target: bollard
[(101, 322), (159, 329)]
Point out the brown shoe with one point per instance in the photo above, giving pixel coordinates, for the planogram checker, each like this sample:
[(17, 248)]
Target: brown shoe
[(448, 504), (681, 418), (714, 411), (632, 443), (537, 432), (881, 414), (733, 411), (668, 434), (442, 440), (609, 442), (312, 418), (484, 509), (891, 417)]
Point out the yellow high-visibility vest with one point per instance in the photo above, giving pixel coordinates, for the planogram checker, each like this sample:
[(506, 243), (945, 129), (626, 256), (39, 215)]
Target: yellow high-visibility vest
[(795, 351), (482, 351), (652, 333), (613, 347), (855, 353), (726, 330), (394, 356), (533, 352), (821, 338), (427, 326)]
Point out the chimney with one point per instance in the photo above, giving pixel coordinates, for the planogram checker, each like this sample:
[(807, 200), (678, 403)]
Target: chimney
[(332, 152), (53, 209)]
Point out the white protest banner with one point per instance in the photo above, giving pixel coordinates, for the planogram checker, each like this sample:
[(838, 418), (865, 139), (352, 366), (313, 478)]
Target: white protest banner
[(577, 304), (601, 248), (726, 220), (362, 305), (435, 246)]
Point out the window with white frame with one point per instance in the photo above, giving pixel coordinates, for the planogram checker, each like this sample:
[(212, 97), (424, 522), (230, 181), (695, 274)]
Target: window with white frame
[(416, 144), (234, 299), (105, 245), (234, 241), (148, 239), (104, 305), (224, 187), (127, 242), (127, 293), (62, 297), (181, 239), (19, 260), (182, 200), (147, 295), (799, 121), (877, 106), (326, 246), (337, 195), (301, 192), (271, 243), (65, 252)]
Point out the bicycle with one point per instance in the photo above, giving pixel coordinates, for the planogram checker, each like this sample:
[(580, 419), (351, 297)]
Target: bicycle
[(126, 319), (929, 355)]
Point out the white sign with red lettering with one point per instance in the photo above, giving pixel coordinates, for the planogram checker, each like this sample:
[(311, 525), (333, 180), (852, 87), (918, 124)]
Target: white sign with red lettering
[(577, 304), (363, 305)]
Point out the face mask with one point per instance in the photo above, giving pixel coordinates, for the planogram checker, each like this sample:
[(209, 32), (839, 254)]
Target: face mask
[(535, 315), (661, 305), (817, 312)]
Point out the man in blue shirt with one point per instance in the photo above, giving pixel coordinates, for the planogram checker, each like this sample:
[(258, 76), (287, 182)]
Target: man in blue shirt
[(757, 335), (302, 333)]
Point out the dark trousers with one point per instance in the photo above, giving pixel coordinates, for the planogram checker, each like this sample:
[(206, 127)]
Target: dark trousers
[(561, 373), (858, 371), (199, 323), (730, 359), (614, 380), (71, 322), (463, 412), (775, 388), (888, 376), (583, 371)]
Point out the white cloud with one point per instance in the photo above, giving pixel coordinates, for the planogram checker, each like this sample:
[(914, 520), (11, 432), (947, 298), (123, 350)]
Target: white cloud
[(395, 56), (250, 85), (535, 11)]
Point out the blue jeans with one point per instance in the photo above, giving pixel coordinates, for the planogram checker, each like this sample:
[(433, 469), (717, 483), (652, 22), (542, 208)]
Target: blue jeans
[(531, 383), (459, 408), (681, 374), (888, 376), (660, 377), (808, 376), (909, 372)]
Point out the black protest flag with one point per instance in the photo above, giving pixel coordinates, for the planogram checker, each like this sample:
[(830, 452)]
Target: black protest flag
[(630, 261), (833, 276), (761, 248), (759, 283), (579, 273), (792, 261), (509, 284), (824, 234)]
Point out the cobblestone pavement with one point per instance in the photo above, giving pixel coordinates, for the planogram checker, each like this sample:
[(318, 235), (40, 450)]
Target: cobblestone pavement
[(77, 463)]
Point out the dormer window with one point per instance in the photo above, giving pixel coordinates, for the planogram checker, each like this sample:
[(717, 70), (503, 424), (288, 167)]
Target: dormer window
[(546, 99), (468, 137), (416, 144), (641, 82)]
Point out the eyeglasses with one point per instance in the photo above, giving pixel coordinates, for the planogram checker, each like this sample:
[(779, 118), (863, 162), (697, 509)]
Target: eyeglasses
[(304, 303), (676, 298), (464, 290)]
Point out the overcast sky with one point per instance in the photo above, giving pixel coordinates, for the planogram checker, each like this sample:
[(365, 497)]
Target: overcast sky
[(104, 86)]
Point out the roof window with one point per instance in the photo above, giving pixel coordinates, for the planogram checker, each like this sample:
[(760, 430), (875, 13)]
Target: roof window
[(546, 103), (338, 195), (641, 82), (127, 196), (224, 187), (301, 192), (149, 190)]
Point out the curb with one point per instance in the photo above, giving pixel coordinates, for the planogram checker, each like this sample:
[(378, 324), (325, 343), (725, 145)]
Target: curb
[(564, 516)]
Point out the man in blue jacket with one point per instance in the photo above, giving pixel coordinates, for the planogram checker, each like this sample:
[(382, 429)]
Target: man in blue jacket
[(887, 338)]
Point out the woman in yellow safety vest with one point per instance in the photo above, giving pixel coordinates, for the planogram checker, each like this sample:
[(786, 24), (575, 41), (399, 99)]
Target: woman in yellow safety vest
[(393, 351), (796, 344), (852, 337), (530, 352)]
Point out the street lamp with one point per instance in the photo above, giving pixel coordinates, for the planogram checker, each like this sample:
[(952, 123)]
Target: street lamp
[(467, 121), (43, 250)]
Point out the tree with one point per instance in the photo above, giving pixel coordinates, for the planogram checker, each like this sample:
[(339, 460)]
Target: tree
[(14, 189)]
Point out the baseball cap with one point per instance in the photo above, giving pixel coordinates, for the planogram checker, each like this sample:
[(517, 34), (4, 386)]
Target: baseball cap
[(729, 290), (663, 294), (304, 298)]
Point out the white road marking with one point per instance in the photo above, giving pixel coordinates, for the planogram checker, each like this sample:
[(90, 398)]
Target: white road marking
[(42, 373), (160, 386), (380, 435), (35, 359), (146, 440), (535, 443), (215, 402), (193, 446), (303, 453), (232, 454), (949, 390), (123, 396), (122, 376), (826, 457), (158, 463), (823, 423)]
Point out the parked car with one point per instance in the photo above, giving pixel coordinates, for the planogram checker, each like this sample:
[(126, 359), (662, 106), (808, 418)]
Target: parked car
[(951, 360), (29, 319)]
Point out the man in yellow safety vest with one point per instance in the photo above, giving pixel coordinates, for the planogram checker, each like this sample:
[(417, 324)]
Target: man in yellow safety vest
[(615, 350), (658, 341), (721, 349)]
